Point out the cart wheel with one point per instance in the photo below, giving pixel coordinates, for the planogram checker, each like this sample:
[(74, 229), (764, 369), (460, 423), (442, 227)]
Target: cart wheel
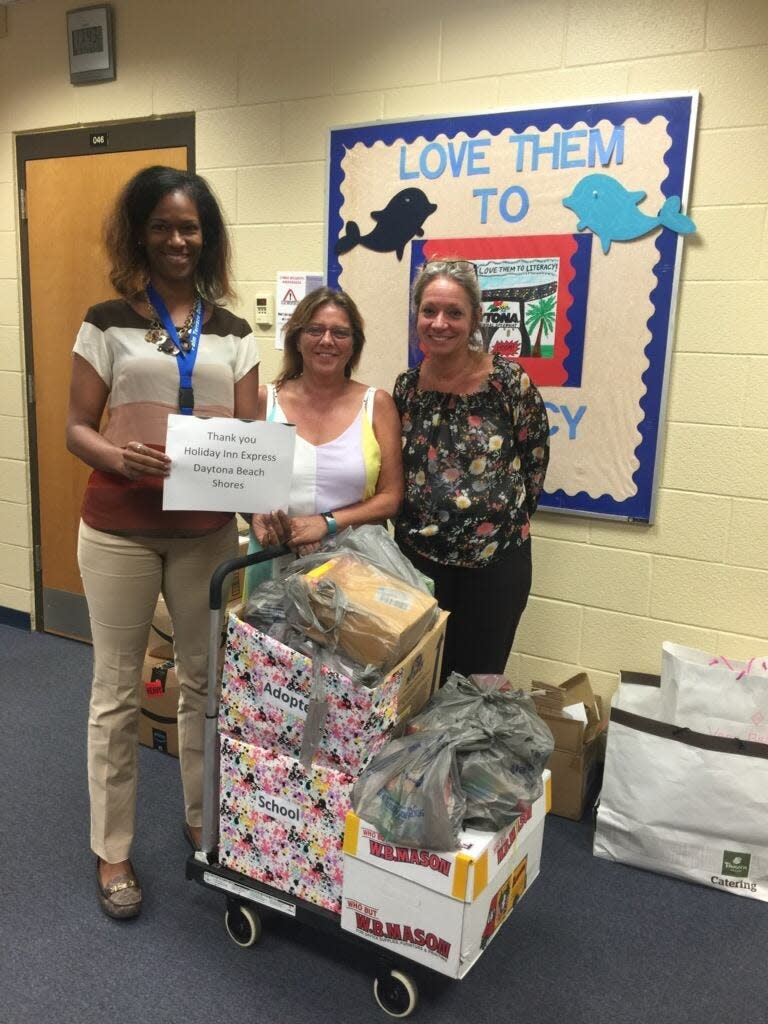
[(396, 993), (243, 925)]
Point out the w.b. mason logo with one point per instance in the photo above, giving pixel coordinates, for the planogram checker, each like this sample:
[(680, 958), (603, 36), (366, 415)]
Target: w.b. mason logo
[(736, 864)]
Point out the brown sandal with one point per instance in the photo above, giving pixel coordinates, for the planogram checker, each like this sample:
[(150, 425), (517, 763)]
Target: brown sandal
[(120, 898)]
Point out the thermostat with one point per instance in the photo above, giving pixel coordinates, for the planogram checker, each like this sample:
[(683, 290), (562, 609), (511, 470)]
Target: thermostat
[(265, 309)]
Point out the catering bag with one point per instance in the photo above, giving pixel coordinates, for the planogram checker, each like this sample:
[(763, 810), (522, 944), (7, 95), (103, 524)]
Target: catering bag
[(683, 802), (714, 694)]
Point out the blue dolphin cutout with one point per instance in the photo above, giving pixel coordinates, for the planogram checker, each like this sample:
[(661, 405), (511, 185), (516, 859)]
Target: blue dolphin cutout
[(603, 205), (401, 219)]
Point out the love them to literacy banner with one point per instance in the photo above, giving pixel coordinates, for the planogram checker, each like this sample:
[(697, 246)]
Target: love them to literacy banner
[(227, 465), (573, 217)]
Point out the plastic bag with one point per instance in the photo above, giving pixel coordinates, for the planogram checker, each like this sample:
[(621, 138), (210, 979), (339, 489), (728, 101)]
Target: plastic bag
[(359, 675), (371, 543), (411, 792), (498, 787), (265, 605), (503, 745), (376, 545), (368, 609), (351, 604)]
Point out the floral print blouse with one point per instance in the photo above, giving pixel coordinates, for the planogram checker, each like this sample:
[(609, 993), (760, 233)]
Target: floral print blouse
[(474, 465)]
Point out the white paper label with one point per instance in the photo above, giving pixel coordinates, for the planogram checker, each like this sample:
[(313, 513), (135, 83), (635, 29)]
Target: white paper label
[(286, 700), (279, 808), (227, 465)]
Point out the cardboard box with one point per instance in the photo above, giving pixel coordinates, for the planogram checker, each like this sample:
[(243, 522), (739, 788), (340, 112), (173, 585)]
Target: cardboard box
[(439, 909), (158, 716), (579, 745), (161, 633), (384, 617), (265, 696), (281, 824)]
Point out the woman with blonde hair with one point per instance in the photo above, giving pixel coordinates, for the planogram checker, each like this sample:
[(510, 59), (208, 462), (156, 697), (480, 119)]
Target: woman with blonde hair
[(475, 450), (347, 467)]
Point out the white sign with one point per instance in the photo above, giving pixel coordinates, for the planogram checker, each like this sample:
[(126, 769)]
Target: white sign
[(292, 286), (227, 465)]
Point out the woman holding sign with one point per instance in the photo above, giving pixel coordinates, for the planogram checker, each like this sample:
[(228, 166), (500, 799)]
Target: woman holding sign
[(347, 467), (165, 346), (475, 451)]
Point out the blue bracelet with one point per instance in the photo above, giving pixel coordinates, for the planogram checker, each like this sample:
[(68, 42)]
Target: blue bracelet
[(330, 522)]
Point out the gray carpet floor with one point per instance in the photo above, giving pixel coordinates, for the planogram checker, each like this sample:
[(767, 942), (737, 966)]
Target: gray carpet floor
[(592, 942)]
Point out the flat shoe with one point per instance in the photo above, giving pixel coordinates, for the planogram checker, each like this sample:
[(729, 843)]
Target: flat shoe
[(120, 898), (190, 838)]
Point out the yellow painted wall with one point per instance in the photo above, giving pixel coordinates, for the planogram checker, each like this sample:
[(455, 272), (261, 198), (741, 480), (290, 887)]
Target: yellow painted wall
[(267, 78)]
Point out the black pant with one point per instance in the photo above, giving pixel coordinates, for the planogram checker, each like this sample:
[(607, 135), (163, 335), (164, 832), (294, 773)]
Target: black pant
[(485, 605)]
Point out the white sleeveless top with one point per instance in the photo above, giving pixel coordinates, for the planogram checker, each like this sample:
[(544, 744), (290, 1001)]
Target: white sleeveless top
[(340, 472)]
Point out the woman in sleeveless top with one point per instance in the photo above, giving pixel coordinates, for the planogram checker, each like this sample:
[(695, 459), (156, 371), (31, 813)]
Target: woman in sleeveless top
[(347, 467)]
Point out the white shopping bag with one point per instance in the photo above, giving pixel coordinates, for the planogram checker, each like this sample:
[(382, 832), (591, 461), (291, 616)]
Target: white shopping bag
[(714, 694), (683, 803)]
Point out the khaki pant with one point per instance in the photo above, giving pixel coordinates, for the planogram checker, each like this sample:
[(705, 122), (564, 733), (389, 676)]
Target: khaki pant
[(122, 578)]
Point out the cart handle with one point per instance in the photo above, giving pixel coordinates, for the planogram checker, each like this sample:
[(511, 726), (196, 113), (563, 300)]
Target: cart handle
[(233, 564)]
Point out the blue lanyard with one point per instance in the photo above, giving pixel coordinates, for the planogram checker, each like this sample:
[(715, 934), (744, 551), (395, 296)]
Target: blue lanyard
[(185, 360)]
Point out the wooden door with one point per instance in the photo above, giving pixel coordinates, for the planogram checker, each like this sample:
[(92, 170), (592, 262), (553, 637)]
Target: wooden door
[(67, 199)]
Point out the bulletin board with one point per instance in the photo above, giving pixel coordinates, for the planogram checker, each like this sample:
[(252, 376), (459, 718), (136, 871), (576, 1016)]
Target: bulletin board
[(574, 217)]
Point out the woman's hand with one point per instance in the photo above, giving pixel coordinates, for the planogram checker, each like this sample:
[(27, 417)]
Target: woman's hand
[(307, 549), (140, 460), (271, 529), (306, 531)]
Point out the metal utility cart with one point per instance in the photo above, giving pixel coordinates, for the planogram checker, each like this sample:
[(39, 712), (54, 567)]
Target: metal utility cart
[(394, 988)]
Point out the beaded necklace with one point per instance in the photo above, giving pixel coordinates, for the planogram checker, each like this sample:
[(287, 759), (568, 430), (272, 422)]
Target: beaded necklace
[(157, 334)]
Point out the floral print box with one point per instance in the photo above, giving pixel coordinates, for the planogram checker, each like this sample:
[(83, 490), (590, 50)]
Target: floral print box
[(265, 695), (281, 824)]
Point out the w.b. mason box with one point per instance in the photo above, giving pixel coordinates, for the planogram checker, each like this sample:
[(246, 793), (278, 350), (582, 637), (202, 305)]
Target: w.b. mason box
[(441, 909)]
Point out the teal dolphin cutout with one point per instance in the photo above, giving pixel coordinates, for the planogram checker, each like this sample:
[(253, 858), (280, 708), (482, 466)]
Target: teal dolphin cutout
[(603, 205)]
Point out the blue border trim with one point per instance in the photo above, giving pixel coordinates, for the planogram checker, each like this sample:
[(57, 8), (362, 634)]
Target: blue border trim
[(16, 619), (573, 364), (677, 110)]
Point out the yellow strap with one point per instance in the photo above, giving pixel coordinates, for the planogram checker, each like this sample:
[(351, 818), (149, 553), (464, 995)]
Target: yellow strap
[(351, 833), (462, 865), (371, 449), (481, 874)]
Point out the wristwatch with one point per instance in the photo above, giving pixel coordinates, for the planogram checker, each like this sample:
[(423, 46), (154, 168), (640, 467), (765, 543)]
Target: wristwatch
[(330, 522)]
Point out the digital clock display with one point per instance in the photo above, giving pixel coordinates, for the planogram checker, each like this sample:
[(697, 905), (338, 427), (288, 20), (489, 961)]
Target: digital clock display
[(87, 40)]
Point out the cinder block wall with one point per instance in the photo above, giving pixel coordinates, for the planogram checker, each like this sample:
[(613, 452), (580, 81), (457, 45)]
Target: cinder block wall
[(267, 79)]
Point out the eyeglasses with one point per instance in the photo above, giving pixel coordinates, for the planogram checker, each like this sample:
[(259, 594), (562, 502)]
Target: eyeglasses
[(436, 265), (337, 333)]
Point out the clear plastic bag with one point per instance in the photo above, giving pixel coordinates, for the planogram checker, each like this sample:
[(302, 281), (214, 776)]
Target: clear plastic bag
[(374, 544), (265, 605), (363, 633), (350, 604), (411, 792)]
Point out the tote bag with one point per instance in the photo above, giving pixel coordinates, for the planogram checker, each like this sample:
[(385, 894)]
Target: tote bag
[(683, 803), (713, 694)]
